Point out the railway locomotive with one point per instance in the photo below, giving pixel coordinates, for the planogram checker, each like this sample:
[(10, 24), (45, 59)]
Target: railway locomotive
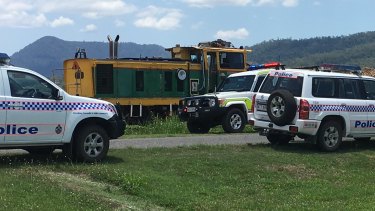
[(143, 87)]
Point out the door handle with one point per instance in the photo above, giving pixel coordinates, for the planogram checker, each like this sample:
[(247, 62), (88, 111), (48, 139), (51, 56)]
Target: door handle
[(343, 104)]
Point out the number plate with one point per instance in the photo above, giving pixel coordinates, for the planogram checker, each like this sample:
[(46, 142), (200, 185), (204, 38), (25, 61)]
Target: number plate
[(190, 109), (261, 107)]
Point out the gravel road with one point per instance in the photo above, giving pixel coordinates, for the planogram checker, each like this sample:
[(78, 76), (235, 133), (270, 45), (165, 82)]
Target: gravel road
[(237, 139), (174, 142)]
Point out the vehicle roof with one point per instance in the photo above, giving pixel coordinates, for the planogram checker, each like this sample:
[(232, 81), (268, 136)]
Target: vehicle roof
[(323, 73), (253, 72)]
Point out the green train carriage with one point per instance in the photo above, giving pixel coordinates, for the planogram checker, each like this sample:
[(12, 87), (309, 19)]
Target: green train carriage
[(142, 86)]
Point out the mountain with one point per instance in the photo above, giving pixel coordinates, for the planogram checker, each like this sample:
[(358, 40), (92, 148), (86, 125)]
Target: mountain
[(48, 53), (353, 49)]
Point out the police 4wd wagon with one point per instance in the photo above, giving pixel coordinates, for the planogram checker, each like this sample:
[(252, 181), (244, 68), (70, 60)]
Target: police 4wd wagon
[(39, 117), (321, 107), (229, 106)]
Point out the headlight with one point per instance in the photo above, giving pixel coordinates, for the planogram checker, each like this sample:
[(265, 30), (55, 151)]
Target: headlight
[(188, 103), (196, 102), (212, 102)]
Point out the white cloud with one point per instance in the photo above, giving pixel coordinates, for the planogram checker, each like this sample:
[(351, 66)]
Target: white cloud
[(119, 23), (159, 18), (241, 34), (88, 8), (213, 3), (20, 14), (290, 3), (285, 3), (89, 28), (61, 21)]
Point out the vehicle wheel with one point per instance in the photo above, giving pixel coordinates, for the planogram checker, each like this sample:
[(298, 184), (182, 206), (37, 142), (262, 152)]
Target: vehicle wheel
[(40, 150), (280, 139), (363, 139), (234, 121), (330, 136), (281, 107), (197, 127), (91, 144)]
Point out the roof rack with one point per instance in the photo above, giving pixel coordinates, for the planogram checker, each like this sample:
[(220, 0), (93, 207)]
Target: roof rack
[(4, 59), (316, 68), (356, 69), (276, 65)]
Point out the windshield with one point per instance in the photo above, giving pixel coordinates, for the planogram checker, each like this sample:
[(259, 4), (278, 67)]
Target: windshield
[(294, 85), (239, 83)]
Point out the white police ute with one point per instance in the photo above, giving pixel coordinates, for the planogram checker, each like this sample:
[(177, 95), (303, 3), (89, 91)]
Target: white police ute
[(38, 116), (319, 106)]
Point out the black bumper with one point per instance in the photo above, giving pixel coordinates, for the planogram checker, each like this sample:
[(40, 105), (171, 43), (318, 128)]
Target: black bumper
[(211, 115), (117, 126)]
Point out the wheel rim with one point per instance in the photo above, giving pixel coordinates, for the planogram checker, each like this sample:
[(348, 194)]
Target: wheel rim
[(331, 136), (277, 106), (235, 121), (93, 144)]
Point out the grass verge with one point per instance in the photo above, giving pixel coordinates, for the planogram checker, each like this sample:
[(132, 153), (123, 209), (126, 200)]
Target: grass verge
[(295, 177), (170, 126)]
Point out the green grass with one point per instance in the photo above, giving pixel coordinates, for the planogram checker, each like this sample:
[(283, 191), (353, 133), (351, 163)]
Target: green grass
[(170, 126), (295, 177)]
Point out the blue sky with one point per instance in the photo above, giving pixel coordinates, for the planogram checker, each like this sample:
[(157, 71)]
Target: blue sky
[(185, 22)]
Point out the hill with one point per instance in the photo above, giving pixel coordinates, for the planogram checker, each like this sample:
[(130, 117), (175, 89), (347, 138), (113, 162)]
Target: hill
[(353, 49), (48, 53)]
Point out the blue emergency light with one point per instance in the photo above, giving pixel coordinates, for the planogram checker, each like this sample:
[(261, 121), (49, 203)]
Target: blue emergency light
[(4, 58), (341, 67), (267, 65)]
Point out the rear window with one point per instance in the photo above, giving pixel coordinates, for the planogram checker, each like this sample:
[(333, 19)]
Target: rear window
[(239, 83), (293, 85)]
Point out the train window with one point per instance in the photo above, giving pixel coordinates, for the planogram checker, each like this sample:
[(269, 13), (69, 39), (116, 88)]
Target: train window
[(139, 81), (168, 81), (104, 78), (231, 60)]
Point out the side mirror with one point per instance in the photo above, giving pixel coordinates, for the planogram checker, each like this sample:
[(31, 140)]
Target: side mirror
[(56, 94)]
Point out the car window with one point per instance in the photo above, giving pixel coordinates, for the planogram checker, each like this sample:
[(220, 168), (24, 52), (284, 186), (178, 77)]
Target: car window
[(369, 89), (238, 83), (272, 83), (352, 89), (29, 86), (326, 87), (259, 82)]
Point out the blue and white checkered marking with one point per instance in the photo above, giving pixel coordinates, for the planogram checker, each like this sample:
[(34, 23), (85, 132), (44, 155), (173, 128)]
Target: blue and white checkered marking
[(52, 106), (347, 108)]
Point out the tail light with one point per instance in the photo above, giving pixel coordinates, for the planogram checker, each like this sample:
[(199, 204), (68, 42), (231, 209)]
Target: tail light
[(304, 109), (253, 103)]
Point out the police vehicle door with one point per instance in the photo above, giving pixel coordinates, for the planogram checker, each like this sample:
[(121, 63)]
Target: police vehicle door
[(2, 111), (369, 86), (354, 106), (33, 115)]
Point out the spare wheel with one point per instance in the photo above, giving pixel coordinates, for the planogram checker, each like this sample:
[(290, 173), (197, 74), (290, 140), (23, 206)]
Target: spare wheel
[(281, 107)]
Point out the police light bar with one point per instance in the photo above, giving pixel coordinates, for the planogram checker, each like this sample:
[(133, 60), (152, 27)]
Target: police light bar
[(4, 58), (275, 65), (340, 67)]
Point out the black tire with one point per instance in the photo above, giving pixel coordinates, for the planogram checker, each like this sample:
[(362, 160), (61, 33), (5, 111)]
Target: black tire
[(363, 139), (278, 139), (234, 121), (197, 127), (281, 107), (40, 150), (329, 136), (91, 144)]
